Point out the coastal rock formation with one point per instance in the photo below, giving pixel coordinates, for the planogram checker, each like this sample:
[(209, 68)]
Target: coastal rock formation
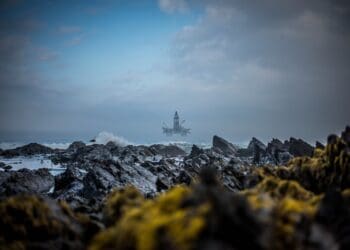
[(138, 197), (281, 211), (27, 150), (156, 197)]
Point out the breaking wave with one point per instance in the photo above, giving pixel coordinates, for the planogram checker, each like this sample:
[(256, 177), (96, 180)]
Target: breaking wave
[(105, 137)]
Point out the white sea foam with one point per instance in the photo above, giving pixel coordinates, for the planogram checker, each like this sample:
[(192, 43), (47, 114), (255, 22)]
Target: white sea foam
[(34, 162), (57, 145), (105, 137)]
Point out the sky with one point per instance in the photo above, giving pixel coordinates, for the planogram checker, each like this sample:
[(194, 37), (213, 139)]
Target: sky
[(235, 68)]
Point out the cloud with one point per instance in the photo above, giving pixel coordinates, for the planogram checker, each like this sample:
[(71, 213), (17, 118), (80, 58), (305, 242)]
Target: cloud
[(94, 10), (264, 68), (171, 6), (75, 41), (69, 29), (45, 55), (270, 59)]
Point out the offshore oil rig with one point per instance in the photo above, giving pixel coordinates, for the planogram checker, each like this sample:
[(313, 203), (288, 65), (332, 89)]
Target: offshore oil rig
[(177, 127)]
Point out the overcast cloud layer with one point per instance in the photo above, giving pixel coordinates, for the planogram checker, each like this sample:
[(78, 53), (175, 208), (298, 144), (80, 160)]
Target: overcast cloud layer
[(272, 68)]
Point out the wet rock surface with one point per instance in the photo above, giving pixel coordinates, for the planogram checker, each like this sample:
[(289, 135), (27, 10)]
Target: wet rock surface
[(25, 181)]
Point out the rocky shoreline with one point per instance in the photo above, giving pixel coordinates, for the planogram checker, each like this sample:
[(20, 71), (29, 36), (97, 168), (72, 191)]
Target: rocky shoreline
[(102, 184)]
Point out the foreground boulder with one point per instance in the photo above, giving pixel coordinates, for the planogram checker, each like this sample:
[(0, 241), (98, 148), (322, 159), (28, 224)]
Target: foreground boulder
[(25, 181), (30, 222), (183, 218)]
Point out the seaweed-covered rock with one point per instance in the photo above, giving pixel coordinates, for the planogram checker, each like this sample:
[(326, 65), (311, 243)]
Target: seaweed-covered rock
[(202, 217), (119, 201), (328, 169), (30, 222)]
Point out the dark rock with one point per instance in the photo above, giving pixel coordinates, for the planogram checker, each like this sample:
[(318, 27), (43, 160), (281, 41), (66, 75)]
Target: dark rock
[(196, 151), (75, 146), (111, 145), (81, 154), (255, 143), (168, 150), (28, 150), (319, 145), (346, 135), (332, 219), (258, 150), (25, 181), (278, 152), (30, 222), (99, 153), (64, 180), (161, 185), (299, 147), (275, 144), (97, 182), (227, 148), (184, 178), (332, 139)]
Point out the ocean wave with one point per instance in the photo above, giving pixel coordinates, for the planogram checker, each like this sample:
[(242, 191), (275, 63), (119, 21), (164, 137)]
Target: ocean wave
[(105, 137)]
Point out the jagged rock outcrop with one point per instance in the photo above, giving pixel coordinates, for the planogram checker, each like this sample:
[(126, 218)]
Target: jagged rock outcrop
[(298, 147), (195, 151), (223, 202), (223, 146), (168, 150)]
